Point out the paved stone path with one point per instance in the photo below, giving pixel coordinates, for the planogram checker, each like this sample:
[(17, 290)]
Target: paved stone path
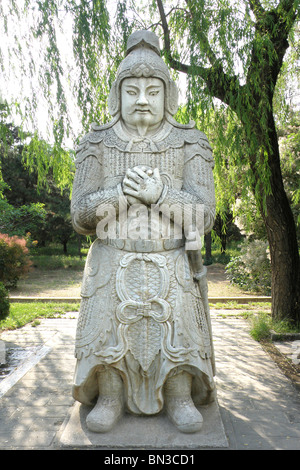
[(260, 407)]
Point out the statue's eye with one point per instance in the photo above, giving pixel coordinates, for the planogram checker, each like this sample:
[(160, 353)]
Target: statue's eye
[(131, 92), (154, 92)]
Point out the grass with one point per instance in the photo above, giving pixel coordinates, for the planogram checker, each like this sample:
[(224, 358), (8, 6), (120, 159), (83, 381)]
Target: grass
[(56, 249), (47, 258), (45, 262), (233, 305), (259, 316), (262, 324), (51, 257), (223, 258), (23, 313)]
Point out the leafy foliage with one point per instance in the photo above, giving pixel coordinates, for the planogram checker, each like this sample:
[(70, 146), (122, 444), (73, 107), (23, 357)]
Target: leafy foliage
[(35, 153), (14, 259), (21, 220), (289, 143), (4, 302), (25, 185), (251, 269)]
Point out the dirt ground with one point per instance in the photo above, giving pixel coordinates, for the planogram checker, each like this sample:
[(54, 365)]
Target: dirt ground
[(67, 282), (220, 286), (51, 283)]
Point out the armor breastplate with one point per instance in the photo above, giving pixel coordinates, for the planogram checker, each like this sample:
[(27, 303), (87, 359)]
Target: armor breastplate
[(169, 162), (143, 152)]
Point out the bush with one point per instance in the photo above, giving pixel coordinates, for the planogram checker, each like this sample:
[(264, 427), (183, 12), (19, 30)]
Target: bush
[(4, 302), (251, 269), (14, 259)]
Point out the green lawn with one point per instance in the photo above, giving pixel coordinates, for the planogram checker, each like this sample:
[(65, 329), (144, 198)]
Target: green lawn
[(23, 313)]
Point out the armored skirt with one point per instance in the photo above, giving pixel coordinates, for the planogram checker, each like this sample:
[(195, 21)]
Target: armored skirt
[(142, 314)]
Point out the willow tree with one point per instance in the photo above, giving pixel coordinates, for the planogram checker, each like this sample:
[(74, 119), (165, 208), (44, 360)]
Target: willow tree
[(254, 35), (230, 51)]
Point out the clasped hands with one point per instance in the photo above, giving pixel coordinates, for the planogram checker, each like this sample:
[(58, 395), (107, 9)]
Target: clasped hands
[(142, 185)]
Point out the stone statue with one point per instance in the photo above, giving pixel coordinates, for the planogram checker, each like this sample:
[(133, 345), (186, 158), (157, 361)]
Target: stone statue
[(143, 341)]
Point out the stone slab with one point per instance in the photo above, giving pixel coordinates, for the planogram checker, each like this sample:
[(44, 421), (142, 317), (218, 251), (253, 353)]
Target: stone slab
[(143, 432)]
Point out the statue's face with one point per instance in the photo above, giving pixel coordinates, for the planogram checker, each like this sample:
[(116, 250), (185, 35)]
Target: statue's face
[(142, 102)]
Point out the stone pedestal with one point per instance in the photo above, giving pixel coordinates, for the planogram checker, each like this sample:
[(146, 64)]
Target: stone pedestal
[(143, 432)]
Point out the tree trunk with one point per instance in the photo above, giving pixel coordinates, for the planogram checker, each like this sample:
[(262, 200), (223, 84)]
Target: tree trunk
[(284, 259), (207, 242), (282, 238), (79, 245)]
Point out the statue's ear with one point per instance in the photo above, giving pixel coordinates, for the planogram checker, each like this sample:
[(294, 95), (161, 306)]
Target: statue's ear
[(172, 98), (113, 101)]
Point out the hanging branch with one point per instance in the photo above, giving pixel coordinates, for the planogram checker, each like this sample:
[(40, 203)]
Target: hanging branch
[(202, 38), (175, 64), (217, 81)]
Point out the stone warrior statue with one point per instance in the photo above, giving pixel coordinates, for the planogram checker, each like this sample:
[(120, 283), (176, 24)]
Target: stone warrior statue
[(143, 341)]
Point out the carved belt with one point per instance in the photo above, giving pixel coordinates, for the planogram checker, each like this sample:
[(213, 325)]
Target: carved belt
[(145, 246), (130, 312)]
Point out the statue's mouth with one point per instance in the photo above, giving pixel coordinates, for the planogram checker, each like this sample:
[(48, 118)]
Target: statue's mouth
[(144, 111), (141, 111)]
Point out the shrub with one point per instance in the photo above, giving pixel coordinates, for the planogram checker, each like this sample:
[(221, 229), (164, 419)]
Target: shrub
[(251, 269), (14, 259), (4, 302)]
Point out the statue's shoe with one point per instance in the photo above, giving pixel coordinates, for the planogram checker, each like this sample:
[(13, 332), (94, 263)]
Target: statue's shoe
[(105, 414), (183, 414)]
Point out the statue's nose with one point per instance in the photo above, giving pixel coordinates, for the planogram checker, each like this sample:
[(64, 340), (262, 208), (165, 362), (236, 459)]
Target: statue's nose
[(142, 99)]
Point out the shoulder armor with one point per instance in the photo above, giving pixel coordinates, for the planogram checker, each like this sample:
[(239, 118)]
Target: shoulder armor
[(89, 145), (196, 144)]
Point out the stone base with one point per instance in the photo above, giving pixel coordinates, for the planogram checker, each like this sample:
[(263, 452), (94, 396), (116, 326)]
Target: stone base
[(143, 432)]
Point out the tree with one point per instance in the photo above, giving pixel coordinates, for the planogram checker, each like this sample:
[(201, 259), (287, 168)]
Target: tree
[(252, 101), (28, 204), (230, 51)]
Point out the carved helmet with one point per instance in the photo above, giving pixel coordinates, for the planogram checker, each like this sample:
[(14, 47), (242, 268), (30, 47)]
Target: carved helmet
[(143, 60)]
